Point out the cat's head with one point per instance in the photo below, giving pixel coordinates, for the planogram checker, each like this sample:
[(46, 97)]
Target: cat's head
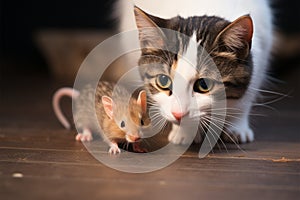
[(176, 68)]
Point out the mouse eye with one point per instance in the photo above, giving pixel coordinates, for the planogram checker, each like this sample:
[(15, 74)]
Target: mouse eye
[(142, 122), (122, 124)]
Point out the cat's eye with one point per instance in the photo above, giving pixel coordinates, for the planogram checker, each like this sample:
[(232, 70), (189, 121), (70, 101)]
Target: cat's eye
[(164, 82), (122, 124), (142, 122), (203, 85)]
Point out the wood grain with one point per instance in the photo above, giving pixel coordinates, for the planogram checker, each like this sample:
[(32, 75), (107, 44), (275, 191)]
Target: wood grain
[(41, 160)]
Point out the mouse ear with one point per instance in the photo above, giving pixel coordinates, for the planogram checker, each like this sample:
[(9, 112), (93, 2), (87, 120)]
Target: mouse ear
[(142, 100), (108, 106)]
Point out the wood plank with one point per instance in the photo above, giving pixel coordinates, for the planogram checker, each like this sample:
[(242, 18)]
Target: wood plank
[(186, 163), (54, 166), (176, 182), (115, 189)]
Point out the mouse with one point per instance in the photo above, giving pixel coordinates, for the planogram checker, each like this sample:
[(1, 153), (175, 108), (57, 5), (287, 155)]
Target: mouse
[(120, 121)]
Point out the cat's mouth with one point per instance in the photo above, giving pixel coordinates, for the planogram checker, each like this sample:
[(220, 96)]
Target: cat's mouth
[(177, 119), (189, 115)]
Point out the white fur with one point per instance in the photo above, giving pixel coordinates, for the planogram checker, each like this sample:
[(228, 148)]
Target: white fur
[(192, 103), (230, 10), (185, 71)]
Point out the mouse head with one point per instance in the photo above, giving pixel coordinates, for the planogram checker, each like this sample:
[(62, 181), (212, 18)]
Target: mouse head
[(128, 118)]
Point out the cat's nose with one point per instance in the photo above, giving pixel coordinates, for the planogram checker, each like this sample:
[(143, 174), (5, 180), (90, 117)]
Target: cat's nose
[(178, 115)]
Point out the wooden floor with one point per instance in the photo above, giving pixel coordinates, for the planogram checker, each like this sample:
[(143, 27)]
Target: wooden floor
[(41, 160)]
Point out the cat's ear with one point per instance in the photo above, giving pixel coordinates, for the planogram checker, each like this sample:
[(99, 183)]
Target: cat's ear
[(237, 36), (142, 100), (150, 35), (108, 106)]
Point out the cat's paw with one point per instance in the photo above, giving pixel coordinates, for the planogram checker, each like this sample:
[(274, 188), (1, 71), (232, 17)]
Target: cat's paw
[(85, 136), (242, 134), (114, 149)]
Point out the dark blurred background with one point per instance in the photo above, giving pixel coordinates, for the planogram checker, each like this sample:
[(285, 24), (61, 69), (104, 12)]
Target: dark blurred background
[(21, 21), (26, 27)]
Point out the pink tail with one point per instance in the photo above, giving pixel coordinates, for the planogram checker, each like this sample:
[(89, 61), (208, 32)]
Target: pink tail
[(55, 102)]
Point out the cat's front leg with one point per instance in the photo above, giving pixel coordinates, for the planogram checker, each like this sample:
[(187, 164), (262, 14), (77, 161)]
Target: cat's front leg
[(178, 135), (238, 130)]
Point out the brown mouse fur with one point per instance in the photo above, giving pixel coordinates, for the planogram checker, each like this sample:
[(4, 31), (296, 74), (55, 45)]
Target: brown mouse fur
[(119, 120)]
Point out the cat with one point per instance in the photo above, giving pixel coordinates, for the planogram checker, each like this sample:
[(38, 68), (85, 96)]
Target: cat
[(237, 34)]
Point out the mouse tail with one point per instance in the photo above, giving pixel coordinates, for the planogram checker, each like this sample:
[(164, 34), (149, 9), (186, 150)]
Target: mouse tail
[(70, 92)]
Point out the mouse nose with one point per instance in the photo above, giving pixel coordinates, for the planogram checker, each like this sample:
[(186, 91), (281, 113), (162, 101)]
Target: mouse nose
[(178, 115), (132, 138)]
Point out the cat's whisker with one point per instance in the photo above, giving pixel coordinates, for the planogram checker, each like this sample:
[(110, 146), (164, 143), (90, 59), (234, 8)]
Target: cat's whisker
[(270, 92), (250, 114), (223, 131), (163, 126), (156, 106), (153, 112), (216, 122), (226, 109), (227, 115), (156, 121), (154, 109), (229, 111), (160, 125), (220, 112), (220, 139), (210, 144), (227, 123), (159, 122), (272, 101), (157, 118), (265, 106), (227, 134), (214, 136), (197, 113), (263, 97), (154, 115), (152, 104)]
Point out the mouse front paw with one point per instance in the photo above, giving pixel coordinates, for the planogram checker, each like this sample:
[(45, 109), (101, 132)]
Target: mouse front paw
[(114, 149)]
